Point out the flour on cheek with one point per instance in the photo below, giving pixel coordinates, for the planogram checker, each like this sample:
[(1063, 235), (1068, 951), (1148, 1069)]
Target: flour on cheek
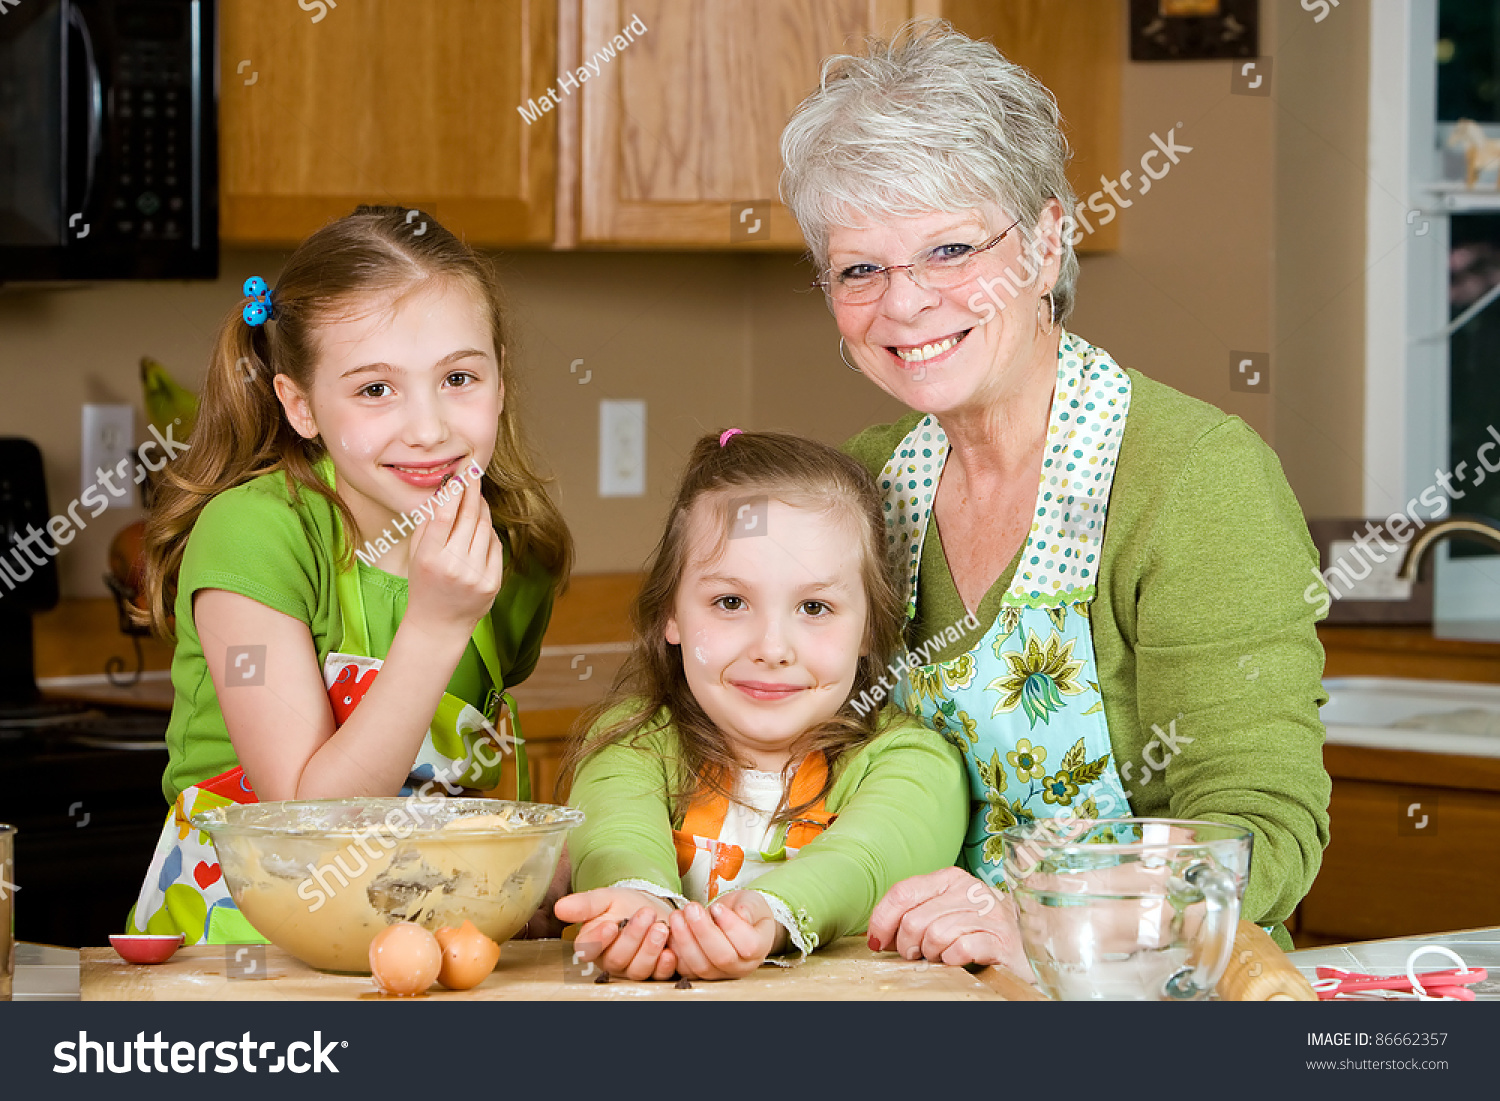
[(361, 446), (701, 648)]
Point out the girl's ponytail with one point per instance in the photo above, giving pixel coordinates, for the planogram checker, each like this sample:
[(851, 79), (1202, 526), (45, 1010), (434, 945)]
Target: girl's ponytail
[(239, 433)]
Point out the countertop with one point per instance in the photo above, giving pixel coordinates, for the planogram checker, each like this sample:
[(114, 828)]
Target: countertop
[(1476, 947), (540, 970), (53, 974)]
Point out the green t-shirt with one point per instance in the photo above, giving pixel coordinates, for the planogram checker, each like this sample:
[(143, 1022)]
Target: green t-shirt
[(901, 800), (257, 541), (1200, 620)]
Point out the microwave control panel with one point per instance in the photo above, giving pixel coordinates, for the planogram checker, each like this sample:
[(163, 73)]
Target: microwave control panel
[(149, 183)]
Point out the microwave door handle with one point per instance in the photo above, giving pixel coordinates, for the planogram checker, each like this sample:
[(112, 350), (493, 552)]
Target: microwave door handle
[(95, 101)]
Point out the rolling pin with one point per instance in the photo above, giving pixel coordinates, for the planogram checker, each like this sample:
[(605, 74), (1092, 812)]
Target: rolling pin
[(1259, 971)]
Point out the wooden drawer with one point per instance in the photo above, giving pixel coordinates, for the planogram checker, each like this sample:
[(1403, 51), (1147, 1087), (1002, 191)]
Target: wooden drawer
[(1384, 877)]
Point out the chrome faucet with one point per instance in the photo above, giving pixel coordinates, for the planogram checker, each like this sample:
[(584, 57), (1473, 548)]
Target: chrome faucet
[(1475, 527)]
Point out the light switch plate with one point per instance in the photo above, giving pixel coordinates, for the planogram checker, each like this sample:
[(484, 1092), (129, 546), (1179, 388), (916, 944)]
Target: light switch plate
[(622, 448), (108, 438)]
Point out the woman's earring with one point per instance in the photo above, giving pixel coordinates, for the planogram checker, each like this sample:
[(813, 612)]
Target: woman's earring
[(845, 358), (1051, 326)]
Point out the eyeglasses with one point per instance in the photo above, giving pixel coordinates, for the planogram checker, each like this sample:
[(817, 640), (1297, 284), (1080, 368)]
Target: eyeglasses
[(936, 269)]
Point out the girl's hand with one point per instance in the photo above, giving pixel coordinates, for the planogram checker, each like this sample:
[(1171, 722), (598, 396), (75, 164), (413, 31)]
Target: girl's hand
[(729, 940), (544, 924), (624, 931), (949, 916), (457, 563)]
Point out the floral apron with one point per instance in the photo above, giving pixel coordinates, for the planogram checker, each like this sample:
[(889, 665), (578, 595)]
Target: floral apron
[(1023, 706), (184, 889), (710, 867)]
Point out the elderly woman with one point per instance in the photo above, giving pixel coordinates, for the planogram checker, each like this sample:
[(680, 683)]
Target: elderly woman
[(1133, 558)]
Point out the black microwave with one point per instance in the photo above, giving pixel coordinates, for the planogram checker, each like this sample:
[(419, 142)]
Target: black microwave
[(109, 147)]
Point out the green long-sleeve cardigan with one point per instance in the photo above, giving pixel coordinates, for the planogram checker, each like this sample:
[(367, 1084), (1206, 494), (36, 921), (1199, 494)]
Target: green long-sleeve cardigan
[(1201, 621)]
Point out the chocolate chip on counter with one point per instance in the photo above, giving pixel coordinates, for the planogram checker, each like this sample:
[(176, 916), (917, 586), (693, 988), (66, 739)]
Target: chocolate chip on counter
[(603, 977), (683, 984)]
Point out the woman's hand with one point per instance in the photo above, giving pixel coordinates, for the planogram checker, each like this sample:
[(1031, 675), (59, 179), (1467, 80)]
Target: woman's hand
[(457, 563), (728, 940), (624, 931), (951, 917)]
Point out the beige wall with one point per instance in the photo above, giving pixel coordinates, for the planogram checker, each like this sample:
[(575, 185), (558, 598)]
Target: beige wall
[(1253, 242), (1321, 157), (1192, 277)]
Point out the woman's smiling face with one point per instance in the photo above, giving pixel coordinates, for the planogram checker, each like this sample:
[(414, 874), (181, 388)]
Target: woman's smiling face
[(772, 628), (402, 396), (944, 351)]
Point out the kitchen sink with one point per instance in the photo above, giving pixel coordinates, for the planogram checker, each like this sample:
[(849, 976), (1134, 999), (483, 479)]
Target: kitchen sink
[(1428, 716)]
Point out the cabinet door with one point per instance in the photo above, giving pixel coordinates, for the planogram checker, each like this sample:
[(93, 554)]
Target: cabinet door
[(1077, 54), (686, 120), (682, 128), (1380, 878), (406, 102), (544, 757)]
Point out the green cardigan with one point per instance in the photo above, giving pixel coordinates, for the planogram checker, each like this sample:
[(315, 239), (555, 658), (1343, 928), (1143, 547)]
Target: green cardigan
[(1200, 620), (901, 800)]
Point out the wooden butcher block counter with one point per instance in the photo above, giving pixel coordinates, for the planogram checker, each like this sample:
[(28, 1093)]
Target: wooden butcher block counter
[(541, 970)]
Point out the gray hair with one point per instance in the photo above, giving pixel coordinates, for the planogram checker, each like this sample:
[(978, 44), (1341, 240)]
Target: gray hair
[(930, 121)]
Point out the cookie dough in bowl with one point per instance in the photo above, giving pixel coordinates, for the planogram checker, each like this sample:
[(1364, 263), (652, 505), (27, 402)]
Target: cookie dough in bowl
[(319, 878)]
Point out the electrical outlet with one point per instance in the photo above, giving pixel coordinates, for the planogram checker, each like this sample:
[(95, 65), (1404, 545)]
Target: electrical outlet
[(622, 448), (109, 437)]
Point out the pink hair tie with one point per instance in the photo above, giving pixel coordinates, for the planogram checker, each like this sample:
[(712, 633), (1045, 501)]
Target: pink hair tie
[(724, 437)]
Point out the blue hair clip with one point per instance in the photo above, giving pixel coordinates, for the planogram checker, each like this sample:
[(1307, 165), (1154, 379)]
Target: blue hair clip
[(257, 312)]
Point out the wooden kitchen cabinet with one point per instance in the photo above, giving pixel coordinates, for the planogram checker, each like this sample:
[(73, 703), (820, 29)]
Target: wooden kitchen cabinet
[(1381, 875), (1410, 847), (407, 102), (683, 127), (546, 742), (417, 103), (688, 119)]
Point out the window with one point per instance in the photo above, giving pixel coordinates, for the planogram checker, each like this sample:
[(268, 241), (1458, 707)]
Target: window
[(1468, 87), (1433, 277)]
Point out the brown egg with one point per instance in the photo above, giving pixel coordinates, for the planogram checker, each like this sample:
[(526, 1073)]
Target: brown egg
[(404, 959), (468, 956)]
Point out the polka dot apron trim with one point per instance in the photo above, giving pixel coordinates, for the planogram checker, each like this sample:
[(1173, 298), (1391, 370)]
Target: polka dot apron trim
[(1023, 704), (1060, 562)]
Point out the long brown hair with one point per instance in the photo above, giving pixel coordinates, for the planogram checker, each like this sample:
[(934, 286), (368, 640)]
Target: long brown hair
[(241, 431), (652, 686)]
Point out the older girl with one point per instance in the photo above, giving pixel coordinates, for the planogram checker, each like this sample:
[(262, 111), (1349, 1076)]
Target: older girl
[(356, 500)]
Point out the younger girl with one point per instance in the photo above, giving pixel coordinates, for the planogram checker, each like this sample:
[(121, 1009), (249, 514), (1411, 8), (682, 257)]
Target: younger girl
[(741, 734), (355, 498)]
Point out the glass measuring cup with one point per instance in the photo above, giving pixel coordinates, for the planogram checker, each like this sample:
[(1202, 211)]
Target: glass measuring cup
[(1127, 909)]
